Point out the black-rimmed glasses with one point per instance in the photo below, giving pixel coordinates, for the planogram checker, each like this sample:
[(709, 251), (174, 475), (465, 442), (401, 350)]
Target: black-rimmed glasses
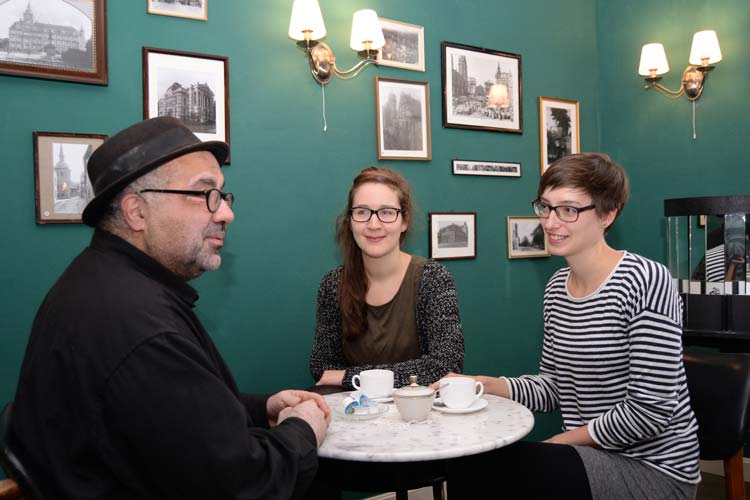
[(363, 214), (213, 196), (565, 213)]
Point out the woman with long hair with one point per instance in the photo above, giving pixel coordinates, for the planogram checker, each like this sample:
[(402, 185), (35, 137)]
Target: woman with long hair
[(384, 308)]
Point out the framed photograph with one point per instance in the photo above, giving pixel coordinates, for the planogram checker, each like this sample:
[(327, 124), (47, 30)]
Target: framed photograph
[(526, 238), (453, 235), (62, 184), (189, 86), (492, 168), (402, 110), (404, 45), (558, 130), (481, 89), (54, 39), (191, 9)]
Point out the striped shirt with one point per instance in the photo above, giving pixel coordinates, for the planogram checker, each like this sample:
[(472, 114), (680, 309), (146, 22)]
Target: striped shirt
[(613, 360)]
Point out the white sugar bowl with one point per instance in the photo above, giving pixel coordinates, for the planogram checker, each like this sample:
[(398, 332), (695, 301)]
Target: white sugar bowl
[(413, 401)]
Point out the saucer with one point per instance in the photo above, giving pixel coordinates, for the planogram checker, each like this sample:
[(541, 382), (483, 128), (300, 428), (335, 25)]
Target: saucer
[(379, 410), (386, 399), (477, 405)]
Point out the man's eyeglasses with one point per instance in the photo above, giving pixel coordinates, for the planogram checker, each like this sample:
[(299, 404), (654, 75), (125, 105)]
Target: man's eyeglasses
[(565, 213), (213, 196), (387, 215)]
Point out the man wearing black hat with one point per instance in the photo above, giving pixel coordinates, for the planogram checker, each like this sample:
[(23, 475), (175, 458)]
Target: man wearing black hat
[(122, 393)]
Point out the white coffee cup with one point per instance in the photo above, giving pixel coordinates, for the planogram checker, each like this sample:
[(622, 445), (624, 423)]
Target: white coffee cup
[(460, 392), (374, 383)]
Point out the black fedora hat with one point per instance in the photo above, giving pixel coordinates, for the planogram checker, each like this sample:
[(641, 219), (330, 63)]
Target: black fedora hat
[(135, 151)]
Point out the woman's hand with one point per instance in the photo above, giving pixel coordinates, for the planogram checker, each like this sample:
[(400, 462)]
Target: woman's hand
[(332, 377), (492, 385), (579, 436)]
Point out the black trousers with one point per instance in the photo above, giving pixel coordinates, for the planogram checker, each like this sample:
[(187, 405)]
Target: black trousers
[(523, 470)]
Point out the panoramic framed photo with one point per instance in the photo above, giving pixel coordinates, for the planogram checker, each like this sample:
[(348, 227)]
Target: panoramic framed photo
[(404, 45), (189, 86), (61, 182), (191, 9), (402, 111), (491, 168), (481, 89), (558, 130), (526, 238), (453, 235), (54, 39)]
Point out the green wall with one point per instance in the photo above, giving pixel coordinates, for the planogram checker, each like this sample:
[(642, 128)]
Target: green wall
[(291, 178)]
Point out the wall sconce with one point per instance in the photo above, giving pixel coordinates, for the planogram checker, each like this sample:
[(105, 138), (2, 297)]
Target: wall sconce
[(498, 96), (704, 52), (307, 27)]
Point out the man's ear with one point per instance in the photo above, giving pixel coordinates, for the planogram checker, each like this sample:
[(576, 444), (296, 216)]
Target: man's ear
[(133, 210)]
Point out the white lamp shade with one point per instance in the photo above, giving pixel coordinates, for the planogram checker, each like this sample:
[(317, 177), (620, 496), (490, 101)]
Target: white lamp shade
[(366, 28), (705, 46), (498, 97), (653, 57), (306, 16)]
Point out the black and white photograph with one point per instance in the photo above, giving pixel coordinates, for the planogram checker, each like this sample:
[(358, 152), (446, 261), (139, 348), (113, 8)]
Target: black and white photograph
[(526, 238), (481, 89), (54, 39), (453, 235), (190, 87), (558, 130), (402, 110), (191, 9), (489, 168), (404, 45), (62, 185)]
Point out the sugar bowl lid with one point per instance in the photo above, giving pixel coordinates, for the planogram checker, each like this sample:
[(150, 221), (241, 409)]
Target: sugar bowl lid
[(414, 390)]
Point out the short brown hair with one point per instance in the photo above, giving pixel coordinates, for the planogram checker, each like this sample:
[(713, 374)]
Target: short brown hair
[(596, 174)]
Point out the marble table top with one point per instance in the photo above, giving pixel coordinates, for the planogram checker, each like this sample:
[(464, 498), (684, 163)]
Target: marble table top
[(388, 438)]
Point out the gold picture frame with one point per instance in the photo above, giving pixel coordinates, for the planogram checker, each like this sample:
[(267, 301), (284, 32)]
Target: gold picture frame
[(559, 130), (526, 238)]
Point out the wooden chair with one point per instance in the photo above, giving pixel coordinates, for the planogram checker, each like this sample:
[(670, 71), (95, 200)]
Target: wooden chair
[(719, 385), (20, 484)]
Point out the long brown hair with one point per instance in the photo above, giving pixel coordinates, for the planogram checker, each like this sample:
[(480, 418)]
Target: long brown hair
[(354, 284)]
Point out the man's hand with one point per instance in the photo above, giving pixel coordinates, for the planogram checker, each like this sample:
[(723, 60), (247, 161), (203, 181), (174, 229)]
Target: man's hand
[(332, 377), (291, 398), (310, 412)]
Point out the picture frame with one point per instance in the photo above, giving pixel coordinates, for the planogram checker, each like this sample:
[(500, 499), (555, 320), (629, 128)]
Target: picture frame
[(559, 130), (481, 89), (453, 235), (402, 115), (526, 238), (487, 168), (55, 40), (404, 45), (61, 183), (171, 78), (189, 9)]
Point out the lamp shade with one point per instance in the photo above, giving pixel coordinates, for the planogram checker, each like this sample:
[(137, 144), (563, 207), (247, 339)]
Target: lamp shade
[(366, 28), (306, 16), (498, 97), (653, 58), (705, 46)]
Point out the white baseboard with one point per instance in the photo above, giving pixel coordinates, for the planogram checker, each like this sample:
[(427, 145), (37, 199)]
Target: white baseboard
[(717, 467)]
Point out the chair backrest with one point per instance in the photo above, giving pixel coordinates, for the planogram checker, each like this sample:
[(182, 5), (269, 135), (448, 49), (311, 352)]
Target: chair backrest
[(10, 463), (719, 385)]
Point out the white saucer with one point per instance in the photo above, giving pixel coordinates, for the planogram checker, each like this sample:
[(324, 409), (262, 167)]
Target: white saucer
[(356, 394), (477, 405), (379, 410)]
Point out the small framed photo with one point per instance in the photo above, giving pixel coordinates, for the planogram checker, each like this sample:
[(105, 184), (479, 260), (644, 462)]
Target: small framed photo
[(526, 238), (558, 130), (453, 235), (189, 86), (491, 168), (54, 39), (481, 89), (61, 181), (402, 110), (191, 9), (404, 45)]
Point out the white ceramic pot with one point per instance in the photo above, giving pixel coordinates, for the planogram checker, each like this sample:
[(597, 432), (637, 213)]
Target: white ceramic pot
[(414, 401)]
